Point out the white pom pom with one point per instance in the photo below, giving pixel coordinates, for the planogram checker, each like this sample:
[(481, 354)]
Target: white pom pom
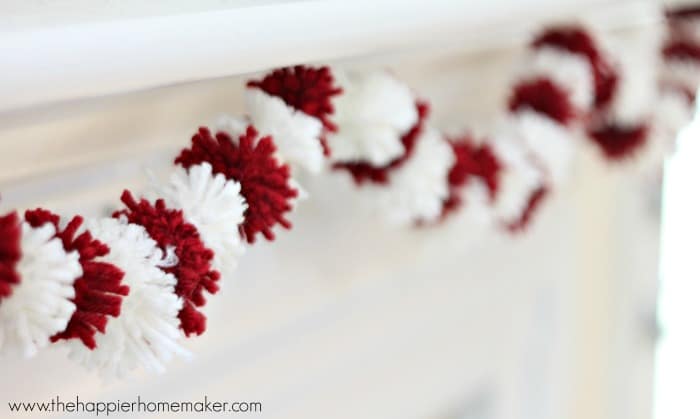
[(296, 134), (146, 333), (372, 114), (571, 71), (40, 305), (214, 205), (552, 144), (673, 111), (417, 189), (677, 72), (519, 179)]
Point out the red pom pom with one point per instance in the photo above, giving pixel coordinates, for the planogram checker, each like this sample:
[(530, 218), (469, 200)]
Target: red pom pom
[(535, 202), (98, 292), (364, 172), (471, 161), (578, 41), (306, 89), (682, 49), (683, 12), (543, 96), (264, 181), (193, 271), (618, 142), (10, 253)]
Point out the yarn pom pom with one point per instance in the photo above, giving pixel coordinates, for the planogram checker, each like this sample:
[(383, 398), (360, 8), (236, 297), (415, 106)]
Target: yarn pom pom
[(265, 182), (10, 253), (618, 142), (192, 270), (98, 292), (40, 305), (307, 89), (362, 172), (214, 205), (577, 41), (681, 75), (549, 144), (419, 187), (545, 97), (681, 49), (570, 71), (373, 113), (472, 161), (146, 333), (673, 111), (299, 137)]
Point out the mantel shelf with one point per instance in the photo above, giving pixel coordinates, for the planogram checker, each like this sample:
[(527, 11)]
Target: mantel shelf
[(84, 57)]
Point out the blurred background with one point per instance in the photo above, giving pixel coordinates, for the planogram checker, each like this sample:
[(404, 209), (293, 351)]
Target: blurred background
[(344, 317)]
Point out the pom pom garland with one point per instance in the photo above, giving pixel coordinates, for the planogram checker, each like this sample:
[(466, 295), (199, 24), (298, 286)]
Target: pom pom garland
[(121, 292), (98, 291)]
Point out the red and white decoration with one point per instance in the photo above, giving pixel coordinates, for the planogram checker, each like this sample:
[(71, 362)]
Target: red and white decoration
[(680, 74), (294, 105), (122, 292), (38, 276), (372, 114)]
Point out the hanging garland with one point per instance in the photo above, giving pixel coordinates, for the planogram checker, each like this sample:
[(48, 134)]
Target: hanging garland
[(121, 292)]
